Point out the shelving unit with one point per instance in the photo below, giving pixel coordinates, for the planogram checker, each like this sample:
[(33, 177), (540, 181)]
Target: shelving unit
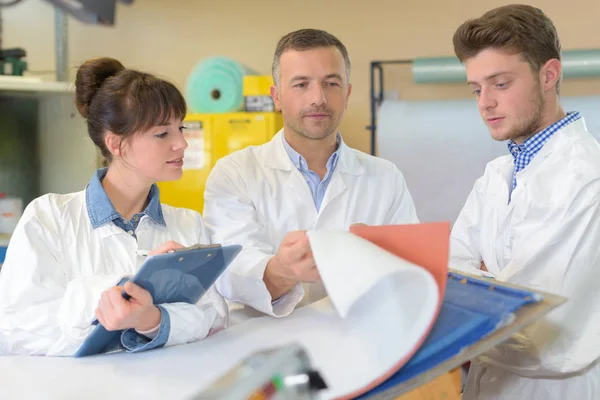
[(44, 145), (47, 134), (25, 85)]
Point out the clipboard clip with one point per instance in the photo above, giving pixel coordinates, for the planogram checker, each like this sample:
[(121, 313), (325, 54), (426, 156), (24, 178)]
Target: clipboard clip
[(144, 253), (198, 246)]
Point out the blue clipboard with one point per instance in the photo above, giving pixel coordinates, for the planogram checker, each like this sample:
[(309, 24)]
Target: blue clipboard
[(472, 309), (181, 276)]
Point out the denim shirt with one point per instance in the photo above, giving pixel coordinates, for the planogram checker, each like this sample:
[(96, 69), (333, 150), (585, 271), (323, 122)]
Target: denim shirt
[(101, 211)]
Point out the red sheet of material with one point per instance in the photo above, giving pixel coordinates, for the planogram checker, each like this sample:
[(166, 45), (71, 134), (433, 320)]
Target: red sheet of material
[(426, 245)]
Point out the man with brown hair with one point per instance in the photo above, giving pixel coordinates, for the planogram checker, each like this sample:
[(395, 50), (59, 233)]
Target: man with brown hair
[(306, 178), (533, 218)]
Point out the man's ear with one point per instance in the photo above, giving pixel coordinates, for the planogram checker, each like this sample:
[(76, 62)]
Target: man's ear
[(551, 74), (275, 97)]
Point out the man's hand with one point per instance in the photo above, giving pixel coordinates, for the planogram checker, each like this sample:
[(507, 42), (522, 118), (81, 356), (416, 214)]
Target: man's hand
[(116, 313), (483, 267), (293, 263)]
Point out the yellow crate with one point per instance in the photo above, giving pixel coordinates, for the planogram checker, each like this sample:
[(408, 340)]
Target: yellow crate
[(257, 85), (211, 137), (188, 192), (236, 131)]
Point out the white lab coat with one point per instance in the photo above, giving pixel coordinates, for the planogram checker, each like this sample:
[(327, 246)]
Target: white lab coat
[(547, 238), (255, 196), (57, 267)]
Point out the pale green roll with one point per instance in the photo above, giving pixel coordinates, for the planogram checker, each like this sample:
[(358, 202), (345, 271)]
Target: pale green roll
[(581, 63), (437, 70), (576, 64), (216, 85)]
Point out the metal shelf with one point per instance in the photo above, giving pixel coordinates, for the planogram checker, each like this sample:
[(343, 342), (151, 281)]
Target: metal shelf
[(26, 85)]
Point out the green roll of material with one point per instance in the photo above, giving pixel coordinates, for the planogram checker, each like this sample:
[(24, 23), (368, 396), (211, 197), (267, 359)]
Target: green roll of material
[(216, 85), (438, 70), (581, 63), (576, 64)]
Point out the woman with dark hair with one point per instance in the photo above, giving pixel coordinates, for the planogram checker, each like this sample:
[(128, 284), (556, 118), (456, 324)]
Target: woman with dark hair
[(69, 253)]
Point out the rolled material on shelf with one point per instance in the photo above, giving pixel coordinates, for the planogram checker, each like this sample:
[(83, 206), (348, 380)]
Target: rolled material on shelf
[(216, 85), (438, 70), (576, 64), (442, 147), (581, 63)]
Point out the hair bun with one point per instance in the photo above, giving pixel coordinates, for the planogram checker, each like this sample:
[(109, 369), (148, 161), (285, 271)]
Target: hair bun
[(90, 77)]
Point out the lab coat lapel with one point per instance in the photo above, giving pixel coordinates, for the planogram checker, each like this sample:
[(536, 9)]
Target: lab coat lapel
[(298, 184), (348, 168), (519, 194), (502, 185), (336, 187), (520, 197), (496, 213), (275, 157)]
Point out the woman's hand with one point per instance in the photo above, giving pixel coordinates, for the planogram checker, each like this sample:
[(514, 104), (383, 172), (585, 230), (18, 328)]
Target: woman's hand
[(117, 313)]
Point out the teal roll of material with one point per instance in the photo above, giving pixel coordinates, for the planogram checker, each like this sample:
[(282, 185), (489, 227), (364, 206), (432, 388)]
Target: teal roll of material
[(581, 63), (438, 70), (215, 85), (576, 64)]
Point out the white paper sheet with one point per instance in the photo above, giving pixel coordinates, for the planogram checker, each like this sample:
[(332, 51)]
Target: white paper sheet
[(387, 302)]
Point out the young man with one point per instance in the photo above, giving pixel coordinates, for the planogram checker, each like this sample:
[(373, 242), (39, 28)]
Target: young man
[(266, 197), (533, 218)]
